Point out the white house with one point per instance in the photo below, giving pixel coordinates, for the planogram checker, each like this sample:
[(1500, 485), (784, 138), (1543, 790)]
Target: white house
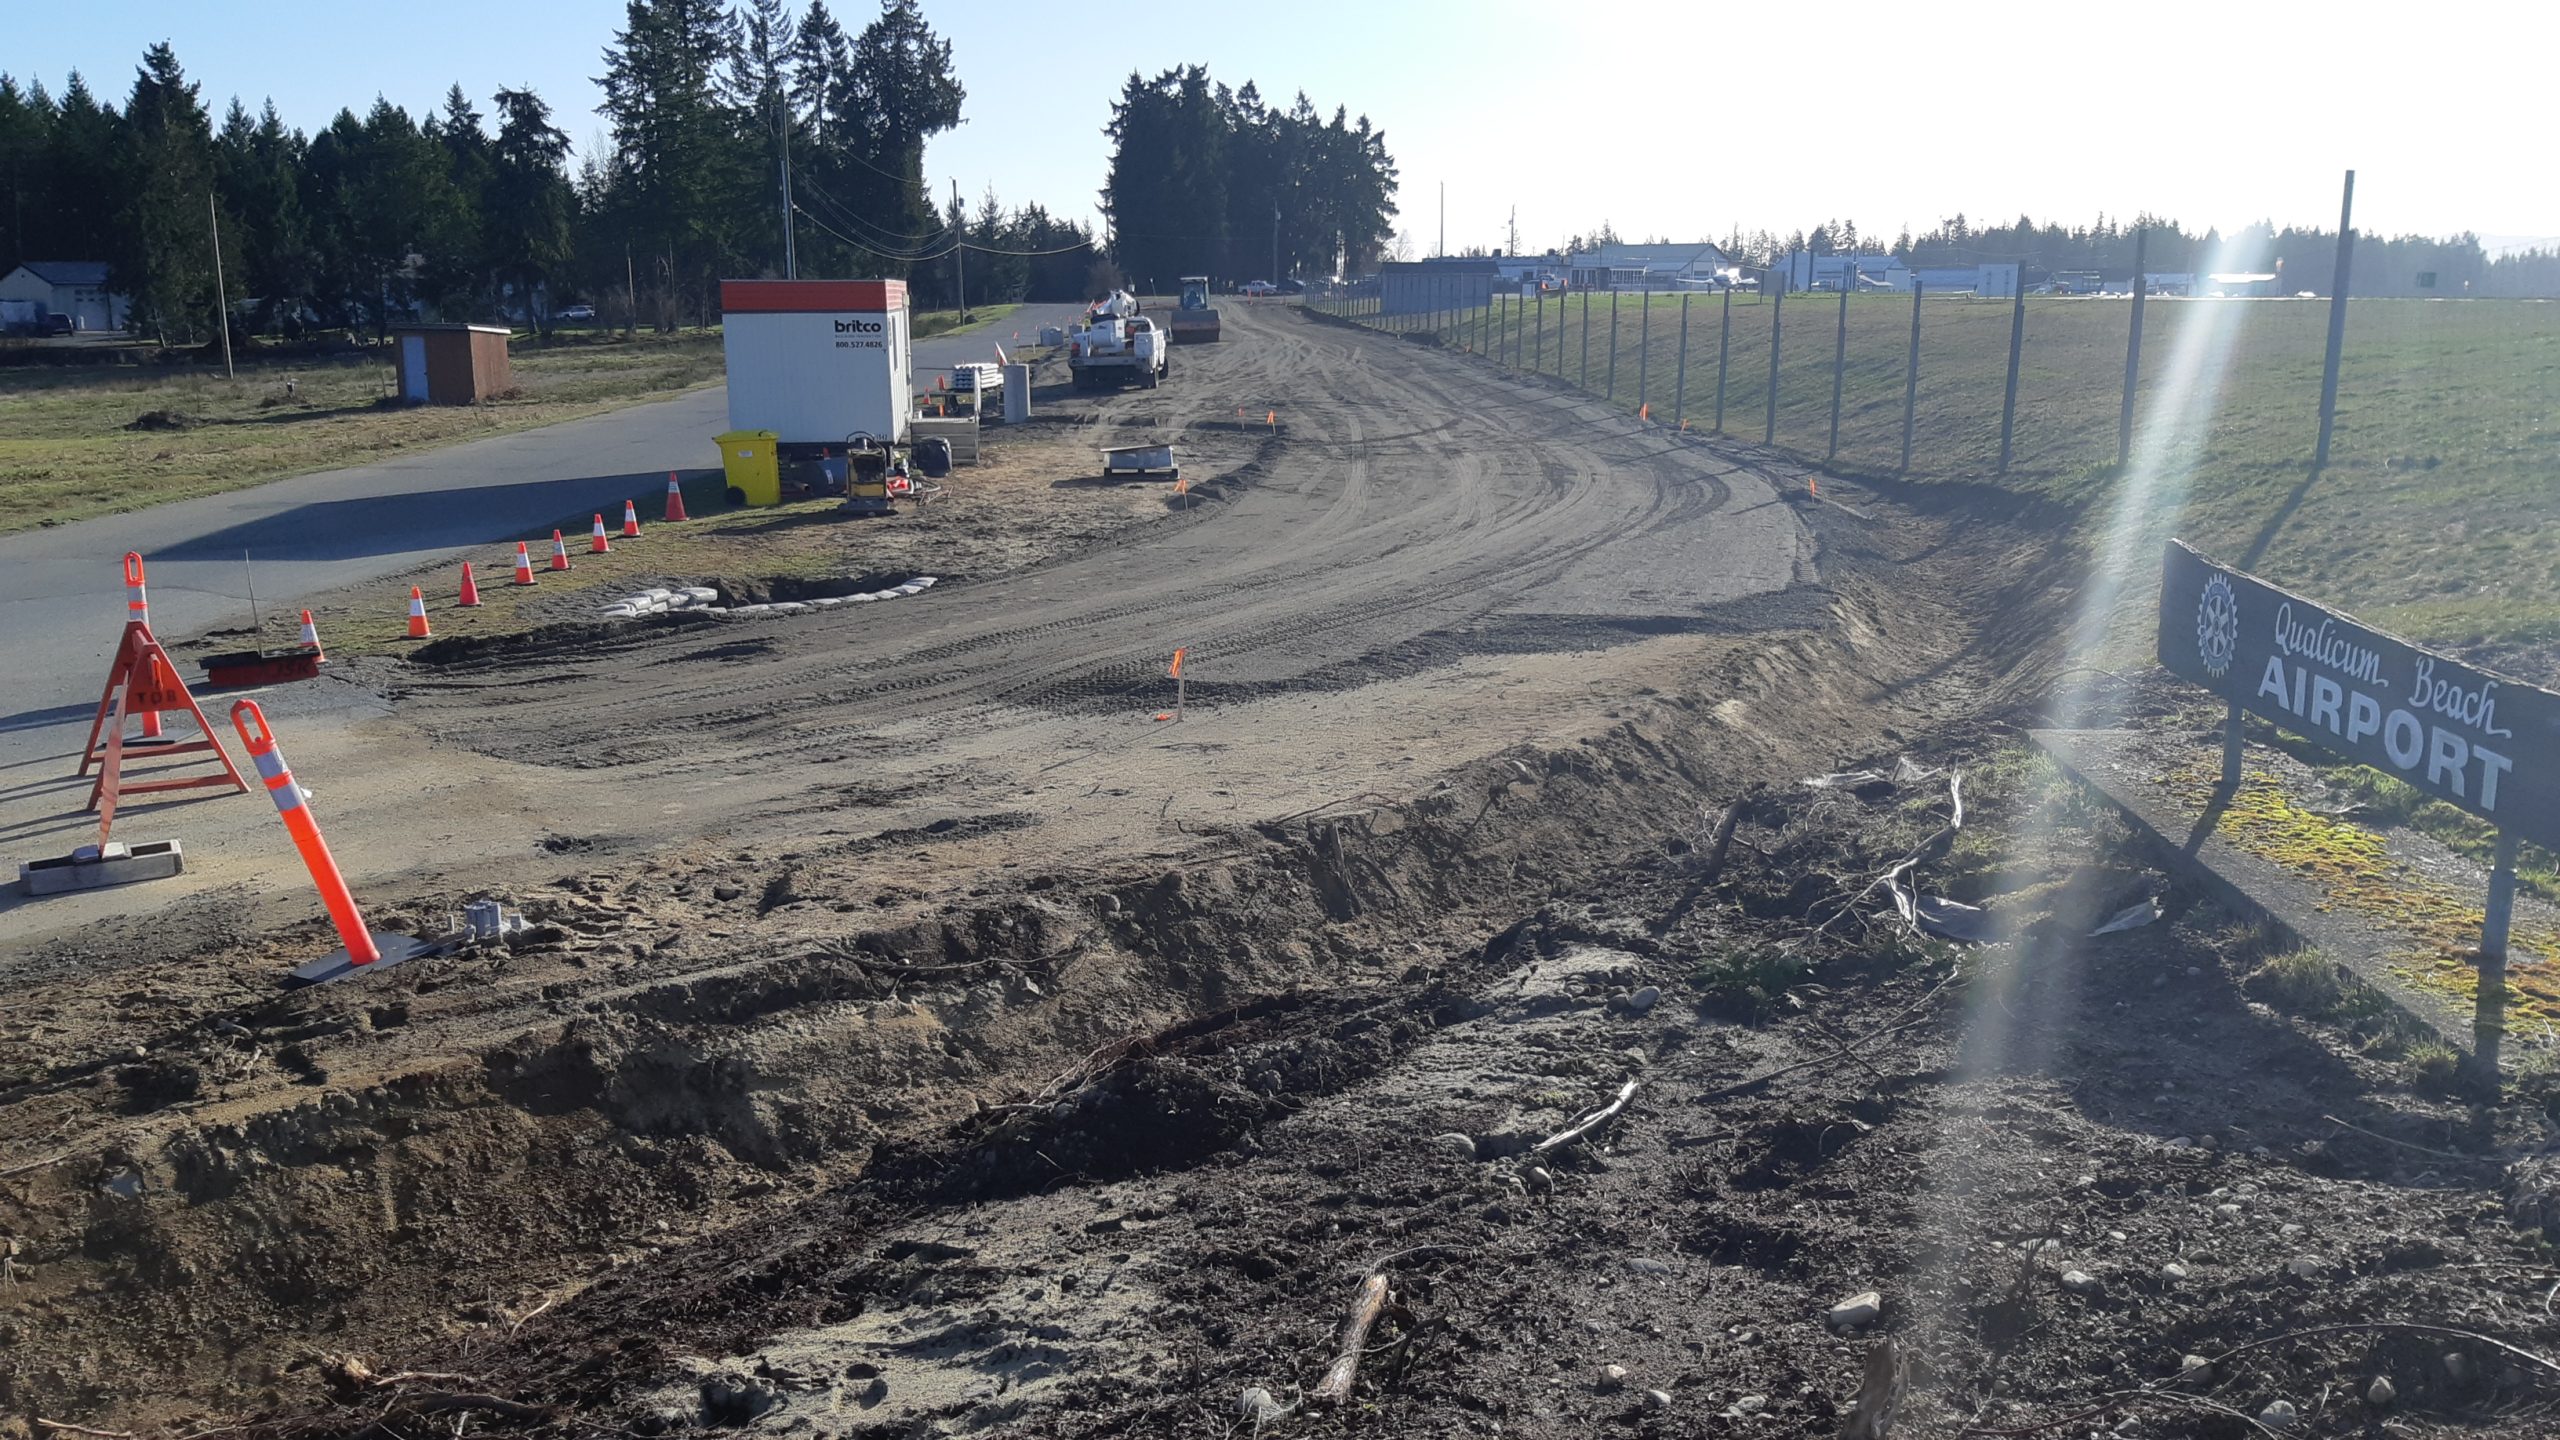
[(1688, 264), (77, 288)]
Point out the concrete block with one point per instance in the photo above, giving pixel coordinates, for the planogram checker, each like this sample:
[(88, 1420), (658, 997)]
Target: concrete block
[(91, 867)]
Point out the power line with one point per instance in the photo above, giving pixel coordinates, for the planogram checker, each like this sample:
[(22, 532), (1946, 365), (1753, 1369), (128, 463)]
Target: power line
[(870, 247), (848, 215)]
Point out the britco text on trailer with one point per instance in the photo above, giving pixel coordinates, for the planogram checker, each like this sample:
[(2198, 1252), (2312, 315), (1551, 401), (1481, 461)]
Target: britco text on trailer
[(816, 363)]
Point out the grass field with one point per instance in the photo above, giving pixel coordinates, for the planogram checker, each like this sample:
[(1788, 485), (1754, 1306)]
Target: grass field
[(2438, 516), (67, 449)]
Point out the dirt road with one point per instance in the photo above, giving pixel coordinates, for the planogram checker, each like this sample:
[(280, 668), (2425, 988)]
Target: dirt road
[(1393, 517), (916, 1036)]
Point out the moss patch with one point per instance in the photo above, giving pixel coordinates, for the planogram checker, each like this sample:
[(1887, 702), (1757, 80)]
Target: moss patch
[(2354, 867)]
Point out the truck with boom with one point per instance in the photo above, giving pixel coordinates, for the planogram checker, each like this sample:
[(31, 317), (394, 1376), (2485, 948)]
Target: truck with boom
[(1195, 321), (1116, 346)]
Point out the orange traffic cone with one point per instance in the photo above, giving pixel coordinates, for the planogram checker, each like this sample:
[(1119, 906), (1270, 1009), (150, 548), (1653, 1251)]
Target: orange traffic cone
[(524, 564), (675, 499), (596, 543), (559, 552), (470, 589), (418, 615), (630, 522), (311, 637)]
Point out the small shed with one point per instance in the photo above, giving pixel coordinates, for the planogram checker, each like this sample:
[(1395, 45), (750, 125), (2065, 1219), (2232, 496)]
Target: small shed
[(452, 364)]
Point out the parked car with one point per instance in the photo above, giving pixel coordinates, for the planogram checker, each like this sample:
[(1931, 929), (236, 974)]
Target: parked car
[(57, 323), (1261, 287), (577, 312)]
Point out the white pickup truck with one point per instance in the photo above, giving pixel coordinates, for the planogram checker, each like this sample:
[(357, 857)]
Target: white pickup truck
[(1115, 346)]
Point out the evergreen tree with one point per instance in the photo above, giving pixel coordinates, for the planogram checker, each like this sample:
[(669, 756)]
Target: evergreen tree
[(760, 87), (26, 134), (530, 207), (265, 234), (81, 178), (162, 256), (679, 170)]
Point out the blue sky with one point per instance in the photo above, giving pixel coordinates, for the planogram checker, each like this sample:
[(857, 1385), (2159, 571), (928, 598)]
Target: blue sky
[(1667, 118)]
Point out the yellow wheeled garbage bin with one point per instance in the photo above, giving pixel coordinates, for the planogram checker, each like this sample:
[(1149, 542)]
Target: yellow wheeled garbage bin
[(754, 468)]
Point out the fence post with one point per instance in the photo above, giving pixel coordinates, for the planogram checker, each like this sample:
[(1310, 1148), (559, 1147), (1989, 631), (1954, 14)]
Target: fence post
[(1612, 392), (1911, 379), (2009, 396), (1538, 343), (1680, 377), (1840, 355), (2489, 1011), (1777, 313), (1644, 348), (2338, 334), (2132, 354), (1582, 377), (1724, 352)]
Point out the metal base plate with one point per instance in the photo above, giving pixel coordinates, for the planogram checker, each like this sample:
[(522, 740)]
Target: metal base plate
[(336, 966)]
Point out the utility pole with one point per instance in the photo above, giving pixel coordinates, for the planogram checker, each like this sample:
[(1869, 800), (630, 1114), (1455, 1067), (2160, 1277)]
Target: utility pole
[(222, 298), (1276, 276), (2338, 325), (1513, 238), (960, 252), (631, 294), (782, 132), (1442, 249)]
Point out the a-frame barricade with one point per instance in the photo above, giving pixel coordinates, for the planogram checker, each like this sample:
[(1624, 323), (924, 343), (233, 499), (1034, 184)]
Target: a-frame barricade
[(143, 681)]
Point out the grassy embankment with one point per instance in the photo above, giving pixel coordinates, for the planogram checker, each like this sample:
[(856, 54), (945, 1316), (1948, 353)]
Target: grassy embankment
[(66, 449)]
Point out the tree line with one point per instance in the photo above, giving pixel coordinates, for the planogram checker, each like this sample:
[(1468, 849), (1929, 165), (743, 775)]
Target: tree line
[(2303, 256), (478, 216), (1212, 181)]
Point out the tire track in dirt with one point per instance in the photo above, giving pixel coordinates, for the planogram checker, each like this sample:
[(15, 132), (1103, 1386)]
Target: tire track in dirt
[(1351, 537)]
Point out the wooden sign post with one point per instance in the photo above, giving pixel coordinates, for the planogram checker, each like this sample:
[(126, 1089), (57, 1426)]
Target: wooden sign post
[(2483, 742)]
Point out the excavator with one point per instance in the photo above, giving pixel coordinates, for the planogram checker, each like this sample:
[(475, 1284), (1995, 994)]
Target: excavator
[(1194, 321)]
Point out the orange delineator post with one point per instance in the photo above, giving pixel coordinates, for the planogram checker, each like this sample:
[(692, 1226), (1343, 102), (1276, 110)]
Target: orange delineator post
[(559, 552), (630, 521), (361, 946), (596, 543), (524, 564), (675, 499), (137, 606)]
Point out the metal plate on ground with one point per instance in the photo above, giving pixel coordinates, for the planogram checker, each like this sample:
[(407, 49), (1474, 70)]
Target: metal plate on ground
[(336, 966)]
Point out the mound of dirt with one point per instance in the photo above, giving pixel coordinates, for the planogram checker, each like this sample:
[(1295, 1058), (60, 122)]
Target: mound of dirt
[(162, 420)]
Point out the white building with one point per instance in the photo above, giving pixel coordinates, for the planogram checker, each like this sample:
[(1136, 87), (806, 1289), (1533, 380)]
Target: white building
[(1805, 270), (1999, 280), (1687, 265), (77, 288)]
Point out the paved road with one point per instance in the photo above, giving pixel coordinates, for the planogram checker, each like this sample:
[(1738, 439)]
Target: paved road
[(60, 588)]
